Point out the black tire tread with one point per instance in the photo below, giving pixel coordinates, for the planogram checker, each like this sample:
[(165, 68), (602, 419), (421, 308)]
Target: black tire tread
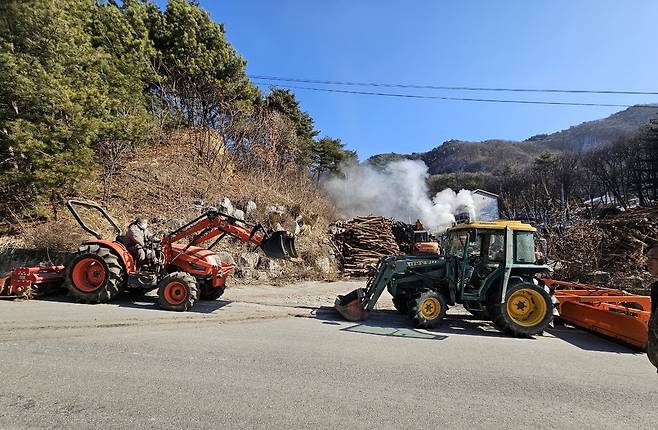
[(192, 291), (116, 275), (418, 320), (498, 311), (652, 346), (401, 304)]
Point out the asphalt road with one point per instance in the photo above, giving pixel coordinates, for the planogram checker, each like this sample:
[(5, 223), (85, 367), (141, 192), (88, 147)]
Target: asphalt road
[(269, 358)]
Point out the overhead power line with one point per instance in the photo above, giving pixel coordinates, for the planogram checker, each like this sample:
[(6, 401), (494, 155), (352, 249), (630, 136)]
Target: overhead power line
[(465, 99), (450, 88)]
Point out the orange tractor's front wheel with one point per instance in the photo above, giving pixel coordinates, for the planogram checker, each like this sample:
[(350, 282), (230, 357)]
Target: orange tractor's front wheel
[(94, 274), (178, 291)]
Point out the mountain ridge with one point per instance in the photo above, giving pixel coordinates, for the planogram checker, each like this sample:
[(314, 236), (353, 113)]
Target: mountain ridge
[(489, 155)]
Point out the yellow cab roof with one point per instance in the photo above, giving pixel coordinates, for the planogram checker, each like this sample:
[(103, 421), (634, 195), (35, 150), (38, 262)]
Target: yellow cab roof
[(493, 225)]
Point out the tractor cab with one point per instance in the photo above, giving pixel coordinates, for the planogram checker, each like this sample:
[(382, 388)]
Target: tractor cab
[(492, 268), (481, 253)]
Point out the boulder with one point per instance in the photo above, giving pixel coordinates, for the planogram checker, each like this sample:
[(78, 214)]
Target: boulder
[(324, 264), (225, 206), (250, 207), (239, 214), (245, 273)]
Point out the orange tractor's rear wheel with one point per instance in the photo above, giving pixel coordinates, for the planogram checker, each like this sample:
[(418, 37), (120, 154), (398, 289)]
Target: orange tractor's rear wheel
[(94, 274), (178, 291)]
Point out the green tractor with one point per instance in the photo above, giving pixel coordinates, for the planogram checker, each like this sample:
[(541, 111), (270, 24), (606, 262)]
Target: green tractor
[(490, 268)]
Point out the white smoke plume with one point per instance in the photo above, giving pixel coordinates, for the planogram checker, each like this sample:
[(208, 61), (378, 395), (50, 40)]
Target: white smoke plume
[(399, 191)]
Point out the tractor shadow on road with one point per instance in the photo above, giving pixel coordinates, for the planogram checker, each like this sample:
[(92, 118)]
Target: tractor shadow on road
[(141, 301), (392, 323), (588, 341), (150, 302)]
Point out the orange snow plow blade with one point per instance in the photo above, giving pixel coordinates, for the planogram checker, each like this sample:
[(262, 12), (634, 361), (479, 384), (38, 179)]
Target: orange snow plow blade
[(350, 306), (613, 313)]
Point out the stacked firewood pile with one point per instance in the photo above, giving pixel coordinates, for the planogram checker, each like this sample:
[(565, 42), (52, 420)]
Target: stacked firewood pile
[(404, 235), (361, 241), (614, 247), (628, 237)]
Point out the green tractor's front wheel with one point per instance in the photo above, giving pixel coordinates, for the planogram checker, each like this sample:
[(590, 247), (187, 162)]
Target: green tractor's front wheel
[(526, 311), (428, 309)]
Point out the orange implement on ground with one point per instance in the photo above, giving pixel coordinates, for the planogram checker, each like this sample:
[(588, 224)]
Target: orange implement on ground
[(614, 313)]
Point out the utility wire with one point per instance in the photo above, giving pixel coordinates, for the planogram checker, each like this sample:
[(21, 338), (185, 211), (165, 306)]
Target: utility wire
[(465, 99), (451, 88)]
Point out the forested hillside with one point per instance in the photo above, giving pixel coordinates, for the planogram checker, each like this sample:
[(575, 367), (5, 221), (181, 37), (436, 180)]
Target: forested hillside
[(86, 86), (149, 112)]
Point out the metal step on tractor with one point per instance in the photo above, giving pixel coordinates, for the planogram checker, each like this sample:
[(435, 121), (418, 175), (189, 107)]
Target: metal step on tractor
[(182, 272), (490, 268)]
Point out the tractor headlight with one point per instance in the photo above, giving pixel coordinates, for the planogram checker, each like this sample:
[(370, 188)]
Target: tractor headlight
[(214, 260)]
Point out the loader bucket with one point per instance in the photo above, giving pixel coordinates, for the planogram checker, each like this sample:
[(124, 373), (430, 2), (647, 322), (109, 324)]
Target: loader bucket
[(279, 245), (350, 305)]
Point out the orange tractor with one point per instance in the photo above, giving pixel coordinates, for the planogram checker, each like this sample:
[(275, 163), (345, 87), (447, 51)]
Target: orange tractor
[(182, 272)]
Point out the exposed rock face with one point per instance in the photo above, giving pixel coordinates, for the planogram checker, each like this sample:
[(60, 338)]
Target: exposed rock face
[(271, 267), (248, 260)]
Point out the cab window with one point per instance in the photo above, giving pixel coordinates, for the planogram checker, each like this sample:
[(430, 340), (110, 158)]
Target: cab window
[(496, 247), (457, 242), (524, 247)]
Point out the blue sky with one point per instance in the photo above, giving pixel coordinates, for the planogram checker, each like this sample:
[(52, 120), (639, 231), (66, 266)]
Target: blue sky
[(574, 44)]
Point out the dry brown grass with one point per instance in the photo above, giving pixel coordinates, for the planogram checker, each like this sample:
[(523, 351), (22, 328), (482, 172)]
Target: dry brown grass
[(165, 183)]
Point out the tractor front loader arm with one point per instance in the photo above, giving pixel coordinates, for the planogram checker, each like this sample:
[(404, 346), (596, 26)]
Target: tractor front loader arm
[(213, 224)]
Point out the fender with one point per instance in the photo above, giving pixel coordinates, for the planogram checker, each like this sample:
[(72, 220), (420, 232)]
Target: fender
[(119, 250)]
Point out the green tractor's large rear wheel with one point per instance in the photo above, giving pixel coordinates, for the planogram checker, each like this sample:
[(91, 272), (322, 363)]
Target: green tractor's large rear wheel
[(428, 309), (94, 274), (652, 347), (526, 311)]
